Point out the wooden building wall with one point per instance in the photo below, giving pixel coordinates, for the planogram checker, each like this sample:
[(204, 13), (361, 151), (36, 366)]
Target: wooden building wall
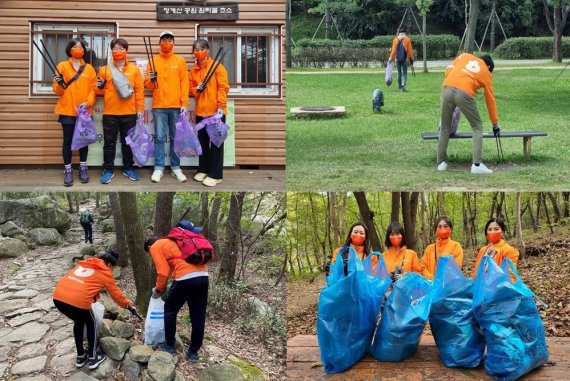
[(29, 131)]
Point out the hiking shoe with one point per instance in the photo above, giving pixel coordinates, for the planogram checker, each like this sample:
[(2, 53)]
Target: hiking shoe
[(81, 360), (167, 348), (210, 182), (192, 355), (177, 173), (107, 176), (156, 175), (442, 166), (403, 89), (68, 177), (95, 361), (481, 168), (200, 176), (131, 174), (83, 176)]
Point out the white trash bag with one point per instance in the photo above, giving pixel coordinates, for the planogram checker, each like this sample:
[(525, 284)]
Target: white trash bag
[(98, 311), (154, 324)]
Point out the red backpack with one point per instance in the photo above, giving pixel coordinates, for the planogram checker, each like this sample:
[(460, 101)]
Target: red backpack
[(194, 248)]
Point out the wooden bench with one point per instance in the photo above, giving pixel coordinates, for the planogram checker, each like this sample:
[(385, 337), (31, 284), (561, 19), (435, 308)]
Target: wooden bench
[(526, 135)]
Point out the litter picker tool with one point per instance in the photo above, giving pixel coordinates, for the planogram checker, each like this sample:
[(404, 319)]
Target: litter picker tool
[(500, 156), (150, 57), (48, 60), (413, 70), (213, 68), (562, 71)]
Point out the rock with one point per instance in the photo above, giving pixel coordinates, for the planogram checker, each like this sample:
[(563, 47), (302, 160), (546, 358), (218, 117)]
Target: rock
[(178, 343), (112, 310), (115, 347), (110, 243), (32, 350), (21, 311), (10, 229), (122, 330), (141, 353), (221, 373), (35, 378), (116, 272), (3, 353), (178, 376), (105, 369), (3, 367), (108, 225), (104, 210), (46, 304), (250, 372), (58, 335), (131, 368), (161, 366), (45, 236), (11, 247), (39, 212), (215, 354), (80, 376), (64, 365), (261, 307), (25, 318), (106, 328), (10, 305), (51, 317), (28, 333), (65, 346), (87, 251), (25, 294), (28, 366)]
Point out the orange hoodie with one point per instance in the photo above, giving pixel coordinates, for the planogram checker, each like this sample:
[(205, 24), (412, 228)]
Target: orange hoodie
[(215, 95), (469, 73), (407, 45), (172, 77), (404, 257), (114, 104), (504, 250), (440, 247), (81, 90), (161, 252), (81, 286)]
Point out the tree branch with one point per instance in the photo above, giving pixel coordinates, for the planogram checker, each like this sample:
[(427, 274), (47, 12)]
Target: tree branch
[(547, 14)]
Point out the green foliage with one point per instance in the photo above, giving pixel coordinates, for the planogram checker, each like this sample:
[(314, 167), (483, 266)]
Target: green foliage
[(228, 300), (530, 48), (270, 329), (424, 6)]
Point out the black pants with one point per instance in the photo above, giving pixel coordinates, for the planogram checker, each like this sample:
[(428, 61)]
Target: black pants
[(211, 161), (81, 318), (194, 292), (88, 229), (68, 125), (114, 125)]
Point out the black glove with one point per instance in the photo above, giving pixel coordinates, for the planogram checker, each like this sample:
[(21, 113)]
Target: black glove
[(133, 310), (152, 76), (59, 79), (412, 62), (496, 130), (101, 83)]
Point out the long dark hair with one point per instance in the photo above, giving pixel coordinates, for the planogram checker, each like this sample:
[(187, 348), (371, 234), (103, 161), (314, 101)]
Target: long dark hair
[(347, 242), (443, 218), (110, 258), (499, 222), (395, 227)]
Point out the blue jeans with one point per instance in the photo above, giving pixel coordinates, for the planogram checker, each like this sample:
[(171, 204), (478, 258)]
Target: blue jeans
[(402, 73), (165, 118)]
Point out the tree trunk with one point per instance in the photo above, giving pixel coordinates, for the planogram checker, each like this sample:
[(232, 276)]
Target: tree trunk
[(441, 203), (566, 204), (493, 21), (395, 212), (76, 199), (409, 213), (424, 42), (163, 213), (425, 225), (546, 214), (69, 201), (204, 209), (121, 245), (233, 229), (554, 206), (556, 24), (288, 35), (518, 223), (474, 10), (327, 24), (531, 214), (368, 219), (143, 272), (97, 199), (334, 219), (212, 223)]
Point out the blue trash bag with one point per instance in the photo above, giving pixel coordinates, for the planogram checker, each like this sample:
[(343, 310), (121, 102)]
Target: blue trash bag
[(381, 270), (457, 335), (346, 316), (403, 319), (507, 313)]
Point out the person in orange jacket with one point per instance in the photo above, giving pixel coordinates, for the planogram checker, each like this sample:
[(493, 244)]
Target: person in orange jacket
[(119, 114), (496, 248), (76, 88), (211, 98), (169, 86), (359, 241), (74, 294), (190, 286), (443, 245), (403, 53), (398, 258), (463, 78)]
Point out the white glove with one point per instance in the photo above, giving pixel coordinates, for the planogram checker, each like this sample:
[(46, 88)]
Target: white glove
[(155, 293), (83, 106), (183, 110), (220, 112), (140, 115)]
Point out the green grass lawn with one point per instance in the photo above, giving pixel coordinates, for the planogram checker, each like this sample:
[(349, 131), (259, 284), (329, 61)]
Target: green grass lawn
[(367, 151)]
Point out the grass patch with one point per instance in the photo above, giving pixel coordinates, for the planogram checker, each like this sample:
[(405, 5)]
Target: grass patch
[(367, 151)]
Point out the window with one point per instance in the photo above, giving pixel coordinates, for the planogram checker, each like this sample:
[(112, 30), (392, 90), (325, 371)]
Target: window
[(54, 38), (252, 59)]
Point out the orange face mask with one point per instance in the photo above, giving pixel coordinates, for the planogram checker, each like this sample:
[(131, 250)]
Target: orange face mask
[(166, 47), (494, 237), (77, 52), (357, 240), (395, 240), (443, 233), (119, 56), (200, 55)]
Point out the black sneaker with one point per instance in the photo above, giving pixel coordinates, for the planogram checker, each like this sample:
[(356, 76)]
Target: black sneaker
[(81, 360), (95, 361), (192, 355)]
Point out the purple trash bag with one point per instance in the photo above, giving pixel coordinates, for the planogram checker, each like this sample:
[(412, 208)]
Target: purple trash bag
[(389, 73), (186, 141), (217, 130), (84, 132), (140, 142), (455, 121)]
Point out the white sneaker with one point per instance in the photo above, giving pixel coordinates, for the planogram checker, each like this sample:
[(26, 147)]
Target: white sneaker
[(200, 176), (210, 182), (177, 173), (442, 166), (482, 168), (156, 175)]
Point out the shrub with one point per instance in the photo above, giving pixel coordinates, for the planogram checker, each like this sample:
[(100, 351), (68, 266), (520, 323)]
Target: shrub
[(530, 48), (270, 329), (228, 300)]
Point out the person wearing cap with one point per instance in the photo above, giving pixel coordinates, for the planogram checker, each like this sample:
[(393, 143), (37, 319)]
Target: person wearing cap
[(74, 294), (169, 86), (211, 99), (190, 286)]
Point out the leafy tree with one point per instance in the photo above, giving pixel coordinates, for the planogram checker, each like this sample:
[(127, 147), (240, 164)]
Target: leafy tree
[(556, 19), (424, 6)]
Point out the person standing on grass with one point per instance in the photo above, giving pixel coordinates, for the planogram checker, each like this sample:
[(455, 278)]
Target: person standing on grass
[(497, 248), (463, 78), (86, 221), (403, 53), (443, 245)]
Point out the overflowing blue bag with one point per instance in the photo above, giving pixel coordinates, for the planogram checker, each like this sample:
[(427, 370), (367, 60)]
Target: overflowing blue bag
[(454, 328), (403, 319), (346, 315), (507, 313)]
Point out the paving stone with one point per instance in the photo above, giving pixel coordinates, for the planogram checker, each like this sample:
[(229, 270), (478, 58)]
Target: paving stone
[(31, 350), (25, 294), (25, 318), (65, 347), (59, 335), (28, 366), (51, 317), (35, 378), (28, 333), (21, 311), (80, 376), (65, 364), (46, 304)]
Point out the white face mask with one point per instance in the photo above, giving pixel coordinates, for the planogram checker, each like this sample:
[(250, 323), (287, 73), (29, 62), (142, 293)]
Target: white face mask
[(401, 35)]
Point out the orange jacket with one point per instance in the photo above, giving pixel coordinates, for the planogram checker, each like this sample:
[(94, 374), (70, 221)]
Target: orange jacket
[(408, 257), (361, 254), (469, 73), (114, 104), (504, 250), (407, 45), (81, 90), (440, 247), (215, 95), (161, 251), (172, 76), (81, 286)]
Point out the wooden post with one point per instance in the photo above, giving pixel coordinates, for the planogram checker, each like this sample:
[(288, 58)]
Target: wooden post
[(527, 140)]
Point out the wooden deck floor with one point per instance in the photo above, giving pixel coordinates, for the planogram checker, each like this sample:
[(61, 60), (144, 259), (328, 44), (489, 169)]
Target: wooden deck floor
[(303, 363)]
